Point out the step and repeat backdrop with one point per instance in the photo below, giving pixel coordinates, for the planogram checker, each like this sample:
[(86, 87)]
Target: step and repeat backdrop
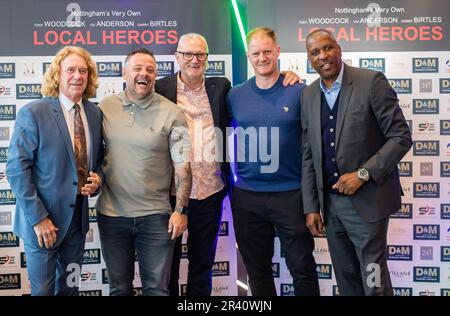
[(409, 42), (108, 29)]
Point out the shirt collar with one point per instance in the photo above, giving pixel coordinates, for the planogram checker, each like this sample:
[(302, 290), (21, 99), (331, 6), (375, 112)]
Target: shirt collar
[(181, 85), (67, 103), (145, 103), (336, 84)]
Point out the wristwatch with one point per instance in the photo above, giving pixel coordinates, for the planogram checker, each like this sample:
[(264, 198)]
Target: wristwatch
[(363, 174), (181, 209)]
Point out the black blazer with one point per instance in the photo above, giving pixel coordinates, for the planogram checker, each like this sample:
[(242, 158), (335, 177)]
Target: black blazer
[(216, 89)]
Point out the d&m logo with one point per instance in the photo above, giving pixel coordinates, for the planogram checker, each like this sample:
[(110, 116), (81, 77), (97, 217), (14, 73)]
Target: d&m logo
[(445, 292), (7, 197), (405, 168), (335, 291), (215, 68), (92, 215), (405, 211), (184, 250), (223, 229), (425, 65), (445, 253), (427, 210), (287, 289), (183, 289), (276, 269), (445, 127), (425, 106), (444, 85), (445, 211), (221, 268), (8, 239), (426, 274), (7, 112), (23, 260), (309, 68), (137, 291), (7, 70), (426, 232), (91, 256), (109, 69), (90, 293), (165, 68), (28, 91), (445, 168), (10, 281), (104, 276), (5, 218), (45, 67), (400, 252), (4, 133), (402, 291), (426, 252), (401, 86), (324, 271), (377, 64), (426, 148), (426, 189)]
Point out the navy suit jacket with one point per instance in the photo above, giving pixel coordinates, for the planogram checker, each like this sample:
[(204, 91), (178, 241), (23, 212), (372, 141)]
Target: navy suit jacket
[(41, 167), (216, 89)]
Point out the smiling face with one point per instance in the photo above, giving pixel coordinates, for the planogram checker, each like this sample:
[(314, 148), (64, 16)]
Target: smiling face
[(194, 69), (263, 53), (325, 56), (140, 74), (73, 77)]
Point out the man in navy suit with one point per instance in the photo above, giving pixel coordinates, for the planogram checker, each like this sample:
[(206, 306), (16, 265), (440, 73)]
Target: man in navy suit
[(53, 166)]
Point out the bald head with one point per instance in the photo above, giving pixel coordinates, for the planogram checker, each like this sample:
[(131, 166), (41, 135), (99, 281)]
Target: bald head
[(186, 41)]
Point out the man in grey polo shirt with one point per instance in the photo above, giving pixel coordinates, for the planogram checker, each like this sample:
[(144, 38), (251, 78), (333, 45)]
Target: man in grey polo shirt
[(147, 141)]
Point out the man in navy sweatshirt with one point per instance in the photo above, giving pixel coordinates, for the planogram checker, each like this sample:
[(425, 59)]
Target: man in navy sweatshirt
[(267, 197)]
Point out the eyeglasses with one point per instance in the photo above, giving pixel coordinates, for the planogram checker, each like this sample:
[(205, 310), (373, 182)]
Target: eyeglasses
[(189, 56)]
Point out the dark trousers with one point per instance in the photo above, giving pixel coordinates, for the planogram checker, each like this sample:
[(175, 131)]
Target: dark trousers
[(48, 268), (256, 217), (357, 249), (203, 227)]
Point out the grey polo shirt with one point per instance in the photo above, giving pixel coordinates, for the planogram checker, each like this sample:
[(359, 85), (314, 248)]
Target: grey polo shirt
[(142, 142)]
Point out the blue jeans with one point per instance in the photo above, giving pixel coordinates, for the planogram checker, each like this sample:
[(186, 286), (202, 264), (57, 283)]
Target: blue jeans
[(121, 237)]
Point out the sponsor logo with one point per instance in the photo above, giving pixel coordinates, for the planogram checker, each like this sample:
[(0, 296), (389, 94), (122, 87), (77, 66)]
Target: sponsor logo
[(88, 277), (7, 70), (183, 289), (309, 68), (445, 127), (3, 154), (223, 229), (220, 289), (425, 65), (400, 252), (426, 274), (426, 168), (427, 292), (444, 85), (137, 291), (335, 291), (109, 69), (184, 251), (165, 68), (401, 86), (92, 215), (7, 112), (5, 218), (23, 260), (90, 235), (445, 253), (426, 232), (445, 292), (426, 253), (445, 168), (90, 293), (399, 274), (4, 133), (426, 189), (286, 289), (215, 68), (377, 64), (91, 256), (425, 85), (324, 271), (221, 268), (8, 239), (7, 261), (426, 148), (427, 211), (426, 127), (405, 211), (7, 197), (276, 269), (445, 211), (405, 168), (45, 67), (28, 91), (402, 291), (104, 276), (10, 281), (29, 70), (5, 92), (425, 106)]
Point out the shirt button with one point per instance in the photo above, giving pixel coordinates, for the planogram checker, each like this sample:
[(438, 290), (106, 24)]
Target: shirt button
[(333, 159), (331, 130), (331, 117), (335, 174), (332, 144)]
